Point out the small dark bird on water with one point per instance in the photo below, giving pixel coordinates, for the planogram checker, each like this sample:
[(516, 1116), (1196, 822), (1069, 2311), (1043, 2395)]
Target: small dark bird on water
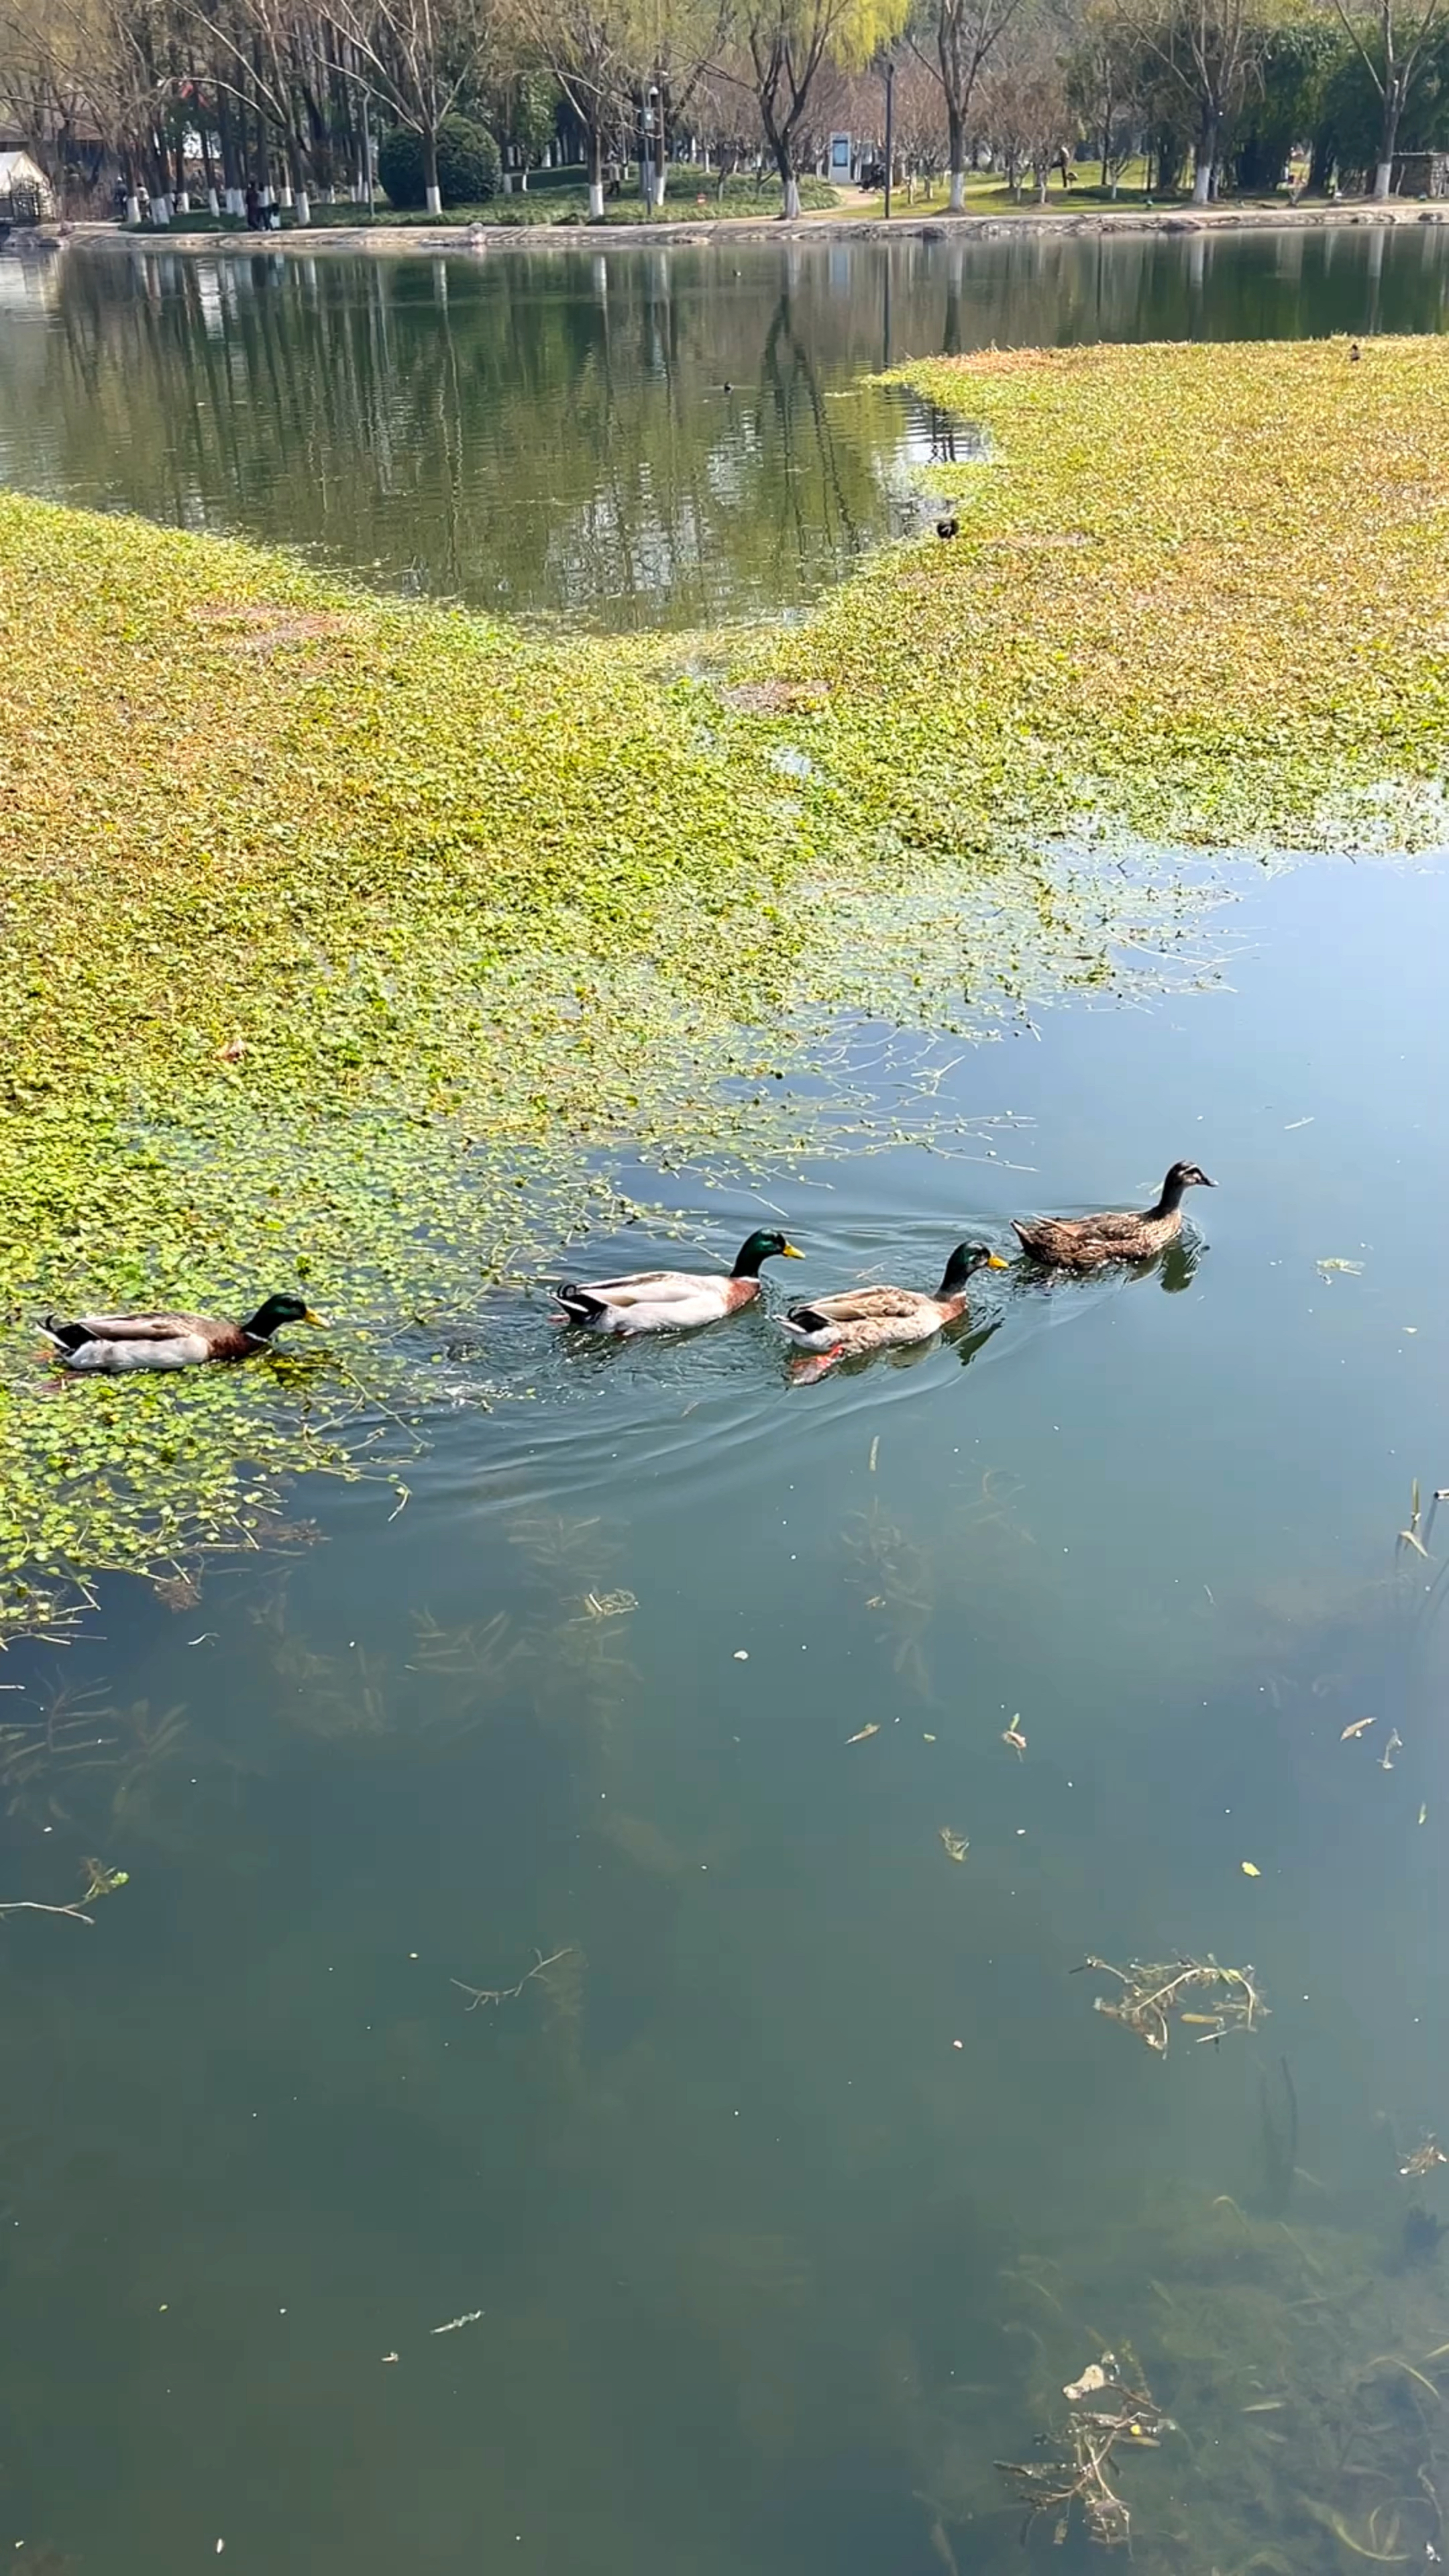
[(948, 527), (729, 388)]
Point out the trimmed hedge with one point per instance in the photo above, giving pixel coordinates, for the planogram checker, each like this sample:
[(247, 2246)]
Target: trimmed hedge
[(470, 166)]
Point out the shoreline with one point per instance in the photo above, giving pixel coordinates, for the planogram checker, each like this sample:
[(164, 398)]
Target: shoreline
[(389, 240)]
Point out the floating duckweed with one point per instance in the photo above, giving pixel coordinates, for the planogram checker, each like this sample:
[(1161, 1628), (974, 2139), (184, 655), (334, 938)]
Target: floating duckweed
[(348, 941)]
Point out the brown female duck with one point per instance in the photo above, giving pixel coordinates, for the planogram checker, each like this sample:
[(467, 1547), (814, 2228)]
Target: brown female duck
[(1088, 1242)]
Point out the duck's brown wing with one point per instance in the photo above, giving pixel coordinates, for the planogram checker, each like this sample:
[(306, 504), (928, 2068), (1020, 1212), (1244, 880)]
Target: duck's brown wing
[(1076, 1241), (155, 1328), (870, 1305)]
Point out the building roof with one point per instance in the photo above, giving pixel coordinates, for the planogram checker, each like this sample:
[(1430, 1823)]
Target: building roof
[(19, 165)]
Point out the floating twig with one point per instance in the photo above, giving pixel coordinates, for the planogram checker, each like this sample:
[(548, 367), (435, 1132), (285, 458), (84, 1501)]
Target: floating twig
[(510, 1994)]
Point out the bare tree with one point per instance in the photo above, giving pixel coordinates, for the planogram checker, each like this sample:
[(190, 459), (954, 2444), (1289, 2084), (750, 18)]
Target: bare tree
[(417, 58), (1024, 104), (1392, 39), (964, 35), (1212, 53)]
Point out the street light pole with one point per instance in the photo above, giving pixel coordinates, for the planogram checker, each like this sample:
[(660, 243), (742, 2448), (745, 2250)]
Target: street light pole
[(890, 132)]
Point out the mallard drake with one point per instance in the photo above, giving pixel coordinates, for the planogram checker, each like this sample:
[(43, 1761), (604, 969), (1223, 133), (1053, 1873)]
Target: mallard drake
[(169, 1341), (1086, 1242), (673, 1301), (878, 1319)]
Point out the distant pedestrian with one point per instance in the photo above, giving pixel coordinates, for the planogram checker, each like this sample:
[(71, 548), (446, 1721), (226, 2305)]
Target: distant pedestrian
[(254, 208)]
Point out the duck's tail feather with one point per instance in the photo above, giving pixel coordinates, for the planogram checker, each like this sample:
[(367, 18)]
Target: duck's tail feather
[(805, 1319), (581, 1303), (66, 1337)]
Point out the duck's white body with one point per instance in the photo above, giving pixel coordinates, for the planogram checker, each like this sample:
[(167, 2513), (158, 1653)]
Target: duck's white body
[(655, 1301), (672, 1301)]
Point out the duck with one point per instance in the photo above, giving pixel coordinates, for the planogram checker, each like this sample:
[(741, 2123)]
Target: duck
[(948, 527), (878, 1319), (1088, 1242), (162, 1341), (672, 1301)]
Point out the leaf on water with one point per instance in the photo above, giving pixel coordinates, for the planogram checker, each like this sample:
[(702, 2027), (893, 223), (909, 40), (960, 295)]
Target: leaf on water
[(1250, 1869), (1349, 1269), (955, 1845), (1357, 1726), (863, 1732)]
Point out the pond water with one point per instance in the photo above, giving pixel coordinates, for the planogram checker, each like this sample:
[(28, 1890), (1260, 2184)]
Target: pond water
[(630, 438), (785, 2197)]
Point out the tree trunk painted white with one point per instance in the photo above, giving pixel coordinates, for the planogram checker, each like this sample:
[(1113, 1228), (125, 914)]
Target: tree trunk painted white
[(1202, 180), (133, 208), (523, 183), (958, 192), (1041, 187), (508, 183), (161, 211), (435, 201), (1383, 178), (661, 176), (183, 201), (302, 207), (284, 195), (213, 203), (792, 199), (596, 201)]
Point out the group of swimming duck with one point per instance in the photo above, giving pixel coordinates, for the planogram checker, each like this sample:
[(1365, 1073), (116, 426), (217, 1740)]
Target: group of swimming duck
[(856, 1322)]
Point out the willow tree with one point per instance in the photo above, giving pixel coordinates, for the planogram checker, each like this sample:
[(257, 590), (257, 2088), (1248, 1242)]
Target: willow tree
[(788, 41)]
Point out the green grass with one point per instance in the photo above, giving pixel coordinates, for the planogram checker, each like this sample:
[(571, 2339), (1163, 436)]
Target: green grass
[(552, 198), (350, 942)]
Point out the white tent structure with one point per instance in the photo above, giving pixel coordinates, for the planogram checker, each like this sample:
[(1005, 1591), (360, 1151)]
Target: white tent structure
[(26, 195)]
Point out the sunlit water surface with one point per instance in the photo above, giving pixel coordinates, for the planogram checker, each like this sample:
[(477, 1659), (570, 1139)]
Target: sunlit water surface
[(752, 2229), (632, 438)]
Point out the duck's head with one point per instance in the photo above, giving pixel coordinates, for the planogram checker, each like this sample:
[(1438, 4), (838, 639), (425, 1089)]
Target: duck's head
[(765, 1245), (277, 1311), (964, 1263), (1188, 1176)]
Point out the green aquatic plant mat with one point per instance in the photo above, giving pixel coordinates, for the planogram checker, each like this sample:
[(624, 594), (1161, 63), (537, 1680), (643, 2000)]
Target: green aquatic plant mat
[(356, 943)]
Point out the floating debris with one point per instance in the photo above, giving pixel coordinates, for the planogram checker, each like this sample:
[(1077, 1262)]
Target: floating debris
[(609, 1605), (1153, 1997), (1112, 2407), (864, 1732), (469, 2318), (1394, 1745), (955, 1846), (1424, 2159), (1348, 1269), (1359, 1726), (1250, 1869), (1013, 1736)]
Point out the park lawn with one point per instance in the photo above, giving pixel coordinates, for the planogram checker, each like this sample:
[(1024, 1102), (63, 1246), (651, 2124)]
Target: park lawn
[(352, 941)]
